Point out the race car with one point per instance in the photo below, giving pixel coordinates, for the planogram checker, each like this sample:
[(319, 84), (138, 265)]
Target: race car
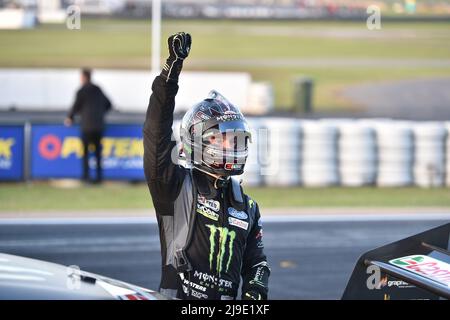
[(29, 279), (417, 267)]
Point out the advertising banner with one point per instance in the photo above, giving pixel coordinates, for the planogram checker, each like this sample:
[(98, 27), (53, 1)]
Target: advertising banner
[(11, 152), (57, 152)]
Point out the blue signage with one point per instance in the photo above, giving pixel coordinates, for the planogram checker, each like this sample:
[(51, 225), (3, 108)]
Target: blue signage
[(57, 152), (11, 152)]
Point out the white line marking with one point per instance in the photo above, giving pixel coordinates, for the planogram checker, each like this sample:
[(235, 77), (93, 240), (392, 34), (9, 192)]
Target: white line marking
[(93, 221), (356, 217)]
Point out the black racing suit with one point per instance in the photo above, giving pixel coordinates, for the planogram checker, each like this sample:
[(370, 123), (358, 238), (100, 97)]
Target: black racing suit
[(225, 242)]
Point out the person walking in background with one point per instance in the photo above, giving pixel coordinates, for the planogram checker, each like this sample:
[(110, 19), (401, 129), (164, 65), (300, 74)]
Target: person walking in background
[(92, 104)]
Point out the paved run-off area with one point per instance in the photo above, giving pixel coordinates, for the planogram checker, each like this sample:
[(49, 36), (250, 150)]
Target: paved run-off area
[(311, 255)]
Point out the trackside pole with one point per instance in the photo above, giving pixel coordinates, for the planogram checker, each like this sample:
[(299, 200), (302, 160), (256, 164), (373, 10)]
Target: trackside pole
[(156, 35)]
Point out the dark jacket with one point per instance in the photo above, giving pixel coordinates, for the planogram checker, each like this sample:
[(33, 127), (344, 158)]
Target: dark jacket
[(208, 240), (92, 104)]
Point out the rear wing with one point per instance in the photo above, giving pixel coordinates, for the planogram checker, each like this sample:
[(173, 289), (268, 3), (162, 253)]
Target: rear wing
[(417, 267)]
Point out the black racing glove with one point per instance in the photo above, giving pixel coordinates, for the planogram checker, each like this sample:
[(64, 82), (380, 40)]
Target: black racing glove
[(252, 295), (256, 283), (179, 47)]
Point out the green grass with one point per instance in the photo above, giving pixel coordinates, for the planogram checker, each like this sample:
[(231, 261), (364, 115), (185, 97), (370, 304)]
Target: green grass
[(226, 45), (351, 197), (42, 196)]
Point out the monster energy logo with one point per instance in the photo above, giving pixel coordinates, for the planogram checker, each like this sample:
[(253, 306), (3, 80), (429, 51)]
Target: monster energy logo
[(224, 235)]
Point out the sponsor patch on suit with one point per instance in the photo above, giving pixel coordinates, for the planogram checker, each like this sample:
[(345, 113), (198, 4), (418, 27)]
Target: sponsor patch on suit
[(209, 203), (238, 223), (206, 212), (237, 214)]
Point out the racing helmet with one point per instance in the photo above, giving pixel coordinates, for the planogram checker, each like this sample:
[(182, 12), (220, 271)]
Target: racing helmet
[(214, 136)]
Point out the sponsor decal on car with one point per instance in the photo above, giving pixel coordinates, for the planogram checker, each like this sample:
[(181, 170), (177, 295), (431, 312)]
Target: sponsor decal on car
[(237, 214), (399, 284), (121, 293), (238, 223), (384, 282), (136, 296), (425, 266)]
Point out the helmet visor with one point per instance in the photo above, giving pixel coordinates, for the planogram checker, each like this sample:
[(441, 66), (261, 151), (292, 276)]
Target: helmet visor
[(237, 127), (226, 140), (225, 148)]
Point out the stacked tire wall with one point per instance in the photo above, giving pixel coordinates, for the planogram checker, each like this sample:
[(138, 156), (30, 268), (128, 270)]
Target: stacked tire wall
[(345, 152)]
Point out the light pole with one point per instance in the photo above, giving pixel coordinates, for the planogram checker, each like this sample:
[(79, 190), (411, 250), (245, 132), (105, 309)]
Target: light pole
[(156, 35)]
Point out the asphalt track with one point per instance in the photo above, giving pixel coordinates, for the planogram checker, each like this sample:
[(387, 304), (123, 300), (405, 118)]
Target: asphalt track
[(403, 99), (311, 257)]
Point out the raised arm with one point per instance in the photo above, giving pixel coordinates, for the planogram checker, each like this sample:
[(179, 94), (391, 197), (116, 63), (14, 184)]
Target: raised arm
[(163, 176)]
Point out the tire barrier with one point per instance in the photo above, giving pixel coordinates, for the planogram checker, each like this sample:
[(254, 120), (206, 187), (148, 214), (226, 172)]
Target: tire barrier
[(252, 175), (319, 154), (429, 154), (395, 153), (357, 155), (284, 152), (281, 152), (447, 153)]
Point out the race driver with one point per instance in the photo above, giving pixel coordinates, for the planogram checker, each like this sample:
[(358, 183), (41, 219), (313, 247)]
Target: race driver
[(210, 231)]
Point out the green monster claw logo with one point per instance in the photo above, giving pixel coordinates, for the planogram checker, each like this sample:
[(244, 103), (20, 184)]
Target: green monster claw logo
[(224, 235)]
